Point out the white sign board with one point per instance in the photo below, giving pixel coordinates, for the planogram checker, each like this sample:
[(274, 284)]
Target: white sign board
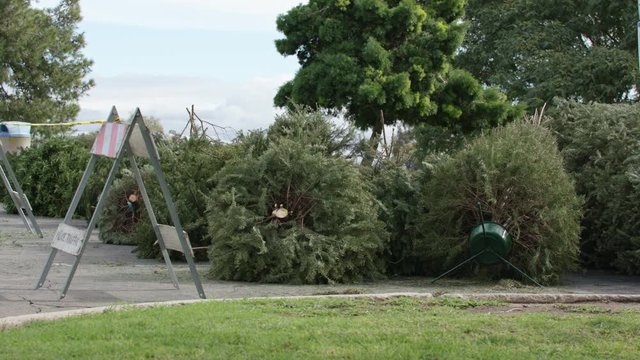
[(68, 239), (17, 199), (171, 240), (138, 147)]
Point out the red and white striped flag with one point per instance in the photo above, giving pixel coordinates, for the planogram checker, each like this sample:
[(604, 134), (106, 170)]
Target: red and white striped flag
[(109, 139)]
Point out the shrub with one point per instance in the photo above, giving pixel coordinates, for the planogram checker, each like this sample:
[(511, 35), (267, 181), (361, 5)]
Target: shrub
[(331, 232), (122, 210), (188, 165), (312, 129), (394, 188), (437, 140), (517, 174), (50, 171), (601, 147)]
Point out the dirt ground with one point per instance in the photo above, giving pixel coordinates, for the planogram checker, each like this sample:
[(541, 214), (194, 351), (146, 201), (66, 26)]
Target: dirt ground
[(607, 307)]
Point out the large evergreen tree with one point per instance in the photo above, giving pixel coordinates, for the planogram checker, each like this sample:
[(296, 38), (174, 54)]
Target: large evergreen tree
[(535, 50), (42, 69), (376, 60)]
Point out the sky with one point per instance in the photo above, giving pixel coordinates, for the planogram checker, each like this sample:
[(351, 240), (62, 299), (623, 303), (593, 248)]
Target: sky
[(166, 55)]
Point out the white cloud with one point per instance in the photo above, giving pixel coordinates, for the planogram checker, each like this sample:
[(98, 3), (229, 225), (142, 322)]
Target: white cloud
[(269, 7), (238, 106), (224, 15)]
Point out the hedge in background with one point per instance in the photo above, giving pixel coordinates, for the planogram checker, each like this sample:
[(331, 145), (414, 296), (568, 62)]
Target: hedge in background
[(517, 174), (50, 171), (601, 147), (331, 232)]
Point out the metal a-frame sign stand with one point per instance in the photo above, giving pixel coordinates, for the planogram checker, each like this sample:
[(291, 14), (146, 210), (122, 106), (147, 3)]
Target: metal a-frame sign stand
[(114, 140), (19, 198)]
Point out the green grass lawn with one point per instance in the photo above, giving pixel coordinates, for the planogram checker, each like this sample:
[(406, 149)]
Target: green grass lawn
[(398, 328)]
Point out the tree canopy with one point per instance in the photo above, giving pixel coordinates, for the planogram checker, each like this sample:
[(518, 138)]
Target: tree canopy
[(42, 69), (465, 106), (583, 50), (370, 57)]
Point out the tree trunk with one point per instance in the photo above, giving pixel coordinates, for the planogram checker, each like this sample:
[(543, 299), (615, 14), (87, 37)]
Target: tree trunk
[(374, 140)]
